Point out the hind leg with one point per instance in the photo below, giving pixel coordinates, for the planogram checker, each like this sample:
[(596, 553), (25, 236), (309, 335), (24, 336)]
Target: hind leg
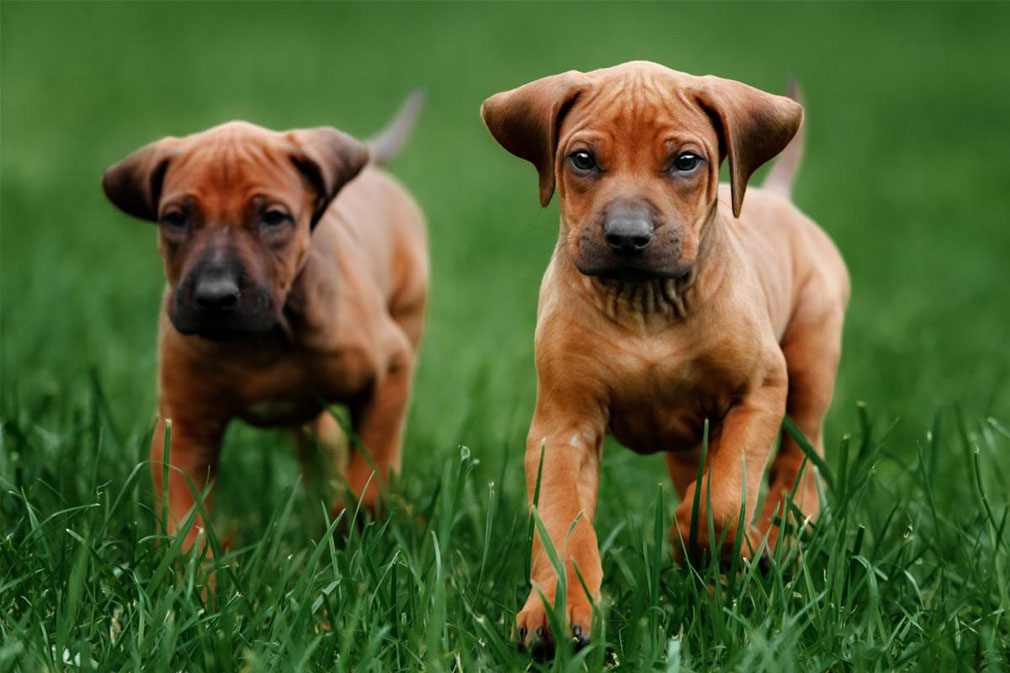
[(683, 469), (812, 346), (331, 462)]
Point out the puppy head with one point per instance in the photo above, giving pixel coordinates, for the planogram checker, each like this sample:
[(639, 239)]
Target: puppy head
[(634, 152), (235, 206)]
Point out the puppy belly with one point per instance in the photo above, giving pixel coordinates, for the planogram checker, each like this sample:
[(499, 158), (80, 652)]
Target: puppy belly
[(281, 411), (656, 431)]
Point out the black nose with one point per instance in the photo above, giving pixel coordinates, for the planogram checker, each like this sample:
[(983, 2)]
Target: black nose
[(216, 293), (628, 228)]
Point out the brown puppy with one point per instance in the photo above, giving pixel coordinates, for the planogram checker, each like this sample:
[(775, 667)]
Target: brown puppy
[(279, 298), (669, 301)]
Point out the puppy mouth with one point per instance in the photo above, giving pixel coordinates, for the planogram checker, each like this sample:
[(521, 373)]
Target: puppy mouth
[(633, 272), (222, 332), (252, 317), (619, 255), (223, 329)]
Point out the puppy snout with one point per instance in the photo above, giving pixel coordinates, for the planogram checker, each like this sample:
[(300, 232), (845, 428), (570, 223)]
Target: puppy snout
[(216, 293), (629, 230)]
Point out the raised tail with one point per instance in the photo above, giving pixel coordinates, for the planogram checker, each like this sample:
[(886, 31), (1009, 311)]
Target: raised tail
[(783, 171), (388, 142)]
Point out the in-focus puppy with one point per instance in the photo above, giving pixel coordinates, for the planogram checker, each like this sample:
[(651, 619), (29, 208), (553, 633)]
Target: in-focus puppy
[(279, 299), (669, 300)]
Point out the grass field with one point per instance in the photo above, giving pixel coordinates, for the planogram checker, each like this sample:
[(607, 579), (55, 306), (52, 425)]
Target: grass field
[(907, 168)]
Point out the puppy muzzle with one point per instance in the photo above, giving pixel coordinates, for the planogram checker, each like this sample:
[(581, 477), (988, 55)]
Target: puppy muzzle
[(630, 241), (214, 302)]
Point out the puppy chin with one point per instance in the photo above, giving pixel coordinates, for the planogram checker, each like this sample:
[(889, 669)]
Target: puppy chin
[(228, 328)]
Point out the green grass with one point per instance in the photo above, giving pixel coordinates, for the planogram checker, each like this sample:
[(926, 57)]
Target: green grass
[(906, 168)]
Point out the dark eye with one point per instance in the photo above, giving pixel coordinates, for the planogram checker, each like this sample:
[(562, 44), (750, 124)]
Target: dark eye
[(174, 221), (273, 218), (582, 160), (686, 162)]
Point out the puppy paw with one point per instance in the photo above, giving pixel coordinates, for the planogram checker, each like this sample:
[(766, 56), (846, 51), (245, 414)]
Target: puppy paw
[(726, 536), (533, 629), (788, 502)]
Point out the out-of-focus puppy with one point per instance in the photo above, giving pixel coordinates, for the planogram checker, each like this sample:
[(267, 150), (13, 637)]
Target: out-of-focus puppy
[(280, 299), (669, 301)]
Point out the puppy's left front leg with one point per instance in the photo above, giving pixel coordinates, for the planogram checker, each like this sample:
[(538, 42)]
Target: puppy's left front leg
[(570, 442), (378, 422), (735, 468)]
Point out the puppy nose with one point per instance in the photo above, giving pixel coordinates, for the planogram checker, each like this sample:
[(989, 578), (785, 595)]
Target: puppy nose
[(217, 293), (629, 231)]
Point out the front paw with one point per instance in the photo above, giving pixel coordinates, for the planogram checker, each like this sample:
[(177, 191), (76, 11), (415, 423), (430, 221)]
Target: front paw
[(699, 549), (789, 502), (533, 629)]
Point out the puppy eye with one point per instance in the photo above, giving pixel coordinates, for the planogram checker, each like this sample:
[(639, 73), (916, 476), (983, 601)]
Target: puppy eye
[(686, 162), (175, 221), (273, 218), (582, 160)]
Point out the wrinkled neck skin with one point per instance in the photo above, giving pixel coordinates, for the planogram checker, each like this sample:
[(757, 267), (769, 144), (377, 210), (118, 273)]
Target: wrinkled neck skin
[(304, 322), (649, 304)]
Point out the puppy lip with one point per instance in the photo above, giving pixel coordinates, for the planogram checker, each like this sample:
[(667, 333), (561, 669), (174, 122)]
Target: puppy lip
[(215, 333), (223, 329), (632, 273)]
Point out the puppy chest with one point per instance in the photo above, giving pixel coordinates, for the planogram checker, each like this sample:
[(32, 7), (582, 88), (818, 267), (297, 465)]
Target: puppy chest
[(295, 390), (663, 406)]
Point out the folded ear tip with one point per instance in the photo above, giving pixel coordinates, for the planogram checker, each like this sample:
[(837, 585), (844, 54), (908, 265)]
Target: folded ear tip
[(105, 181), (111, 184), (791, 112), (795, 109), (489, 108)]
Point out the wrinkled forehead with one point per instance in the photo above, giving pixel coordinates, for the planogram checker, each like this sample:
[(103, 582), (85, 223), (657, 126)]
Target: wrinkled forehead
[(235, 160), (622, 105)]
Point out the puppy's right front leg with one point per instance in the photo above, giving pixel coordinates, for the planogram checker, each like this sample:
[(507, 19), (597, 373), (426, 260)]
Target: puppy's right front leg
[(571, 446), (195, 444)]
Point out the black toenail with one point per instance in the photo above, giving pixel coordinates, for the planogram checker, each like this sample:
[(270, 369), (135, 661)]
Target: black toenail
[(581, 640)]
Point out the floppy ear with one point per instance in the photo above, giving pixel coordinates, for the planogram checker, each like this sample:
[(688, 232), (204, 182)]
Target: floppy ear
[(525, 121), (753, 127), (134, 184), (329, 159)]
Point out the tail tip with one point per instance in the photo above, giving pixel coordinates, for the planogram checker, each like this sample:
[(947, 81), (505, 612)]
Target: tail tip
[(391, 139)]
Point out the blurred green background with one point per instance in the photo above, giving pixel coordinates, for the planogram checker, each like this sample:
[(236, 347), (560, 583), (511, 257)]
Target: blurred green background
[(907, 168)]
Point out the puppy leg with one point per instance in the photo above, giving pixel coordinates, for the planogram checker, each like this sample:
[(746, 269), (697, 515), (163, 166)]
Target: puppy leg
[(193, 454), (330, 464), (572, 445), (378, 421), (683, 469), (738, 457), (812, 347), (409, 307)]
